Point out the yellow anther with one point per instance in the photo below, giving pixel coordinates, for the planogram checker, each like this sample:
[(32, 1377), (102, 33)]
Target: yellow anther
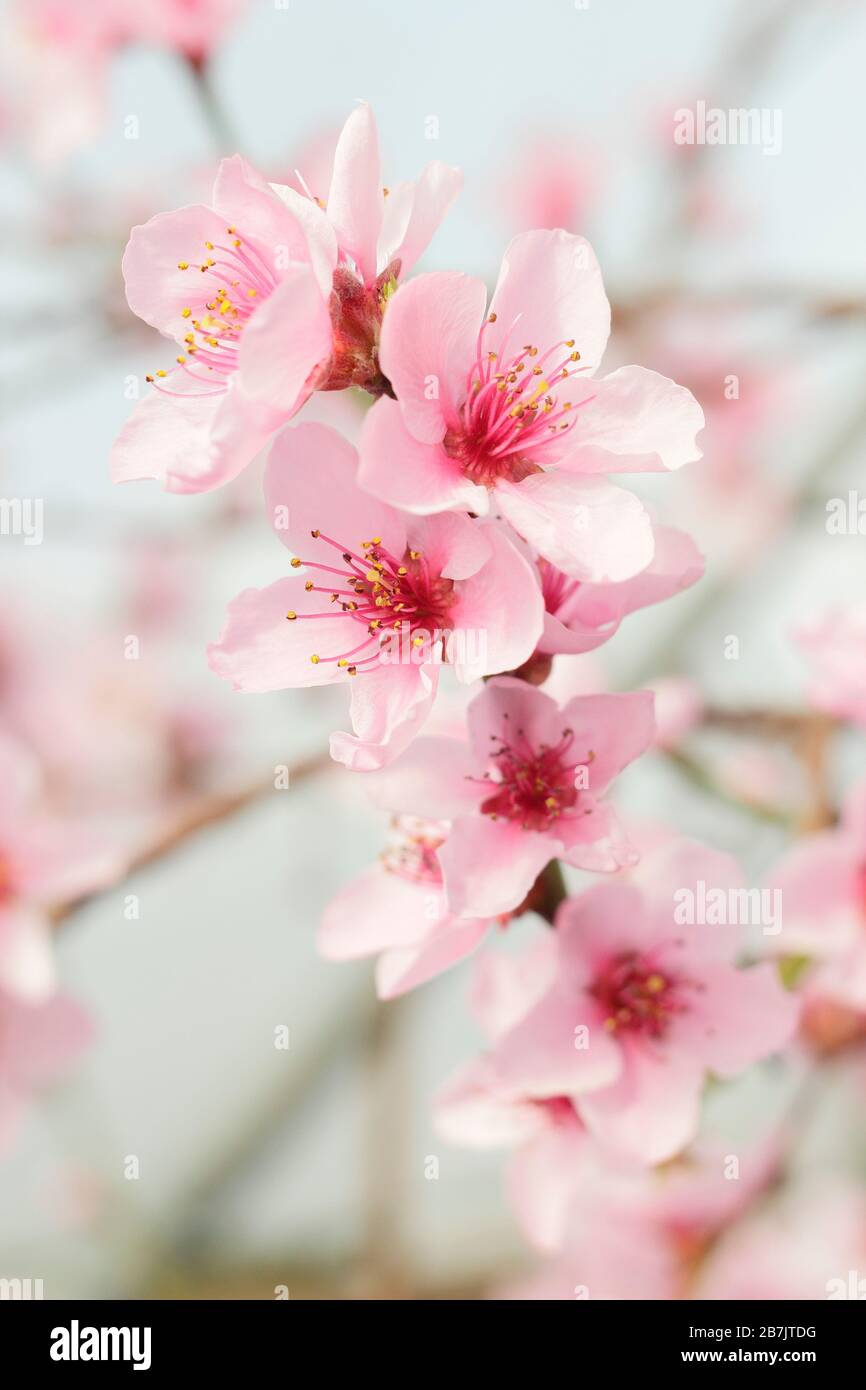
[(160, 373), (183, 265), (291, 615), (185, 313), (314, 659), (296, 563)]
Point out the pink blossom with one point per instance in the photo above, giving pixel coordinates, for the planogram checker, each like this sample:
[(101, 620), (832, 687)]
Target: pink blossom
[(810, 1244), (556, 1159), (621, 1234), (397, 909), (39, 1039), (550, 183), (379, 599), (43, 861), (822, 881), (835, 646), (523, 791), (581, 616), (643, 1007), (59, 54), (503, 407), (269, 296), (679, 709)]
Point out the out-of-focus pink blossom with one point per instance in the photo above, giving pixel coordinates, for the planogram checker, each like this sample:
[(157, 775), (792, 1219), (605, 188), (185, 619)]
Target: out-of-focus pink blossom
[(811, 1244), (525, 789), (644, 1004), (582, 616), (679, 709), (551, 182), (822, 881), (43, 861), (835, 647), (270, 296), (39, 1040), (396, 909), (502, 408), (380, 599), (58, 55)]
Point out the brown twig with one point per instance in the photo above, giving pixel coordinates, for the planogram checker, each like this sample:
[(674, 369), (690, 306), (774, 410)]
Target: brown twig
[(195, 817)]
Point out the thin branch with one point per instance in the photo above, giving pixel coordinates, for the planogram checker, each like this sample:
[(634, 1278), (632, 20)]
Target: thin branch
[(200, 815)]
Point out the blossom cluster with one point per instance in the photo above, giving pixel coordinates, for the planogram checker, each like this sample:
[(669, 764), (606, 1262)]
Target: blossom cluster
[(473, 534)]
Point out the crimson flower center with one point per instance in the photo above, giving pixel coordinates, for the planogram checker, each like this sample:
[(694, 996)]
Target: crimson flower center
[(637, 997), (532, 786), (392, 599), (516, 400)]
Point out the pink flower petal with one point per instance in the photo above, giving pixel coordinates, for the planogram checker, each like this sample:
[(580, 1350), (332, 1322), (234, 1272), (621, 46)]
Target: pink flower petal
[(474, 1109), (505, 988), (543, 1178), (596, 841), (739, 1017), (27, 967), (356, 199), (652, 1111), (507, 705), (419, 478), (245, 201), (286, 339), (637, 421), (429, 337), (413, 212), (156, 290), (194, 442), (377, 910), (550, 287), (311, 484), (259, 649), (448, 943), (614, 729), (500, 609), (586, 527), (390, 703), (540, 1056), (431, 779), (452, 544), (489, 866)]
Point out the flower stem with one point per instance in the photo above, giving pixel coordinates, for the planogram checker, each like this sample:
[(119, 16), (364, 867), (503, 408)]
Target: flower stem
[(549, 891)]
